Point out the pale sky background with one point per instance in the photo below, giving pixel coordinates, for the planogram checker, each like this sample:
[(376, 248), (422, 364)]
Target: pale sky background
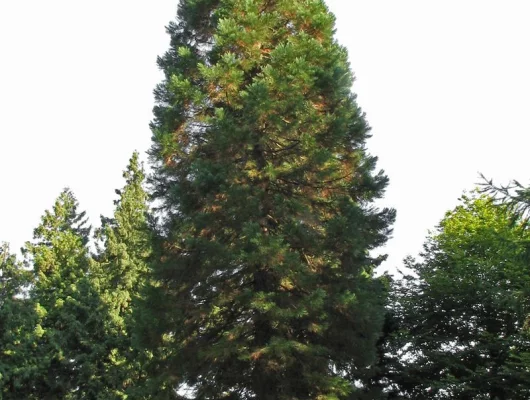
[(445, 85)]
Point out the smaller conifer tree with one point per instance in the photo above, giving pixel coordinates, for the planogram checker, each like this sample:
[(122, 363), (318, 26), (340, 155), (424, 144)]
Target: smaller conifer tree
[(123, 272), (17, 317), (70, 326)]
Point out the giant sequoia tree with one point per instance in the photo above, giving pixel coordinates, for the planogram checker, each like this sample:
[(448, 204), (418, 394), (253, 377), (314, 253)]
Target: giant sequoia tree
[(265, 287)]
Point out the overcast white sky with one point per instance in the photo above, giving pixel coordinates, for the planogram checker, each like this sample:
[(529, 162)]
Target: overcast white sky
[(445, 85)]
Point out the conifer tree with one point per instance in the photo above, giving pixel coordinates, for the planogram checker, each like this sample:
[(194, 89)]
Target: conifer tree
[(70, 326), (17, 317), (382, 383), (123, 272), (514, 196), (264, 282)]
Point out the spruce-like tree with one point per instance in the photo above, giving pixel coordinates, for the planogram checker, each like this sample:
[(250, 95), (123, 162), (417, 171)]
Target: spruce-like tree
[(382, 384), (264, 280), (123, 273), (70, 347)]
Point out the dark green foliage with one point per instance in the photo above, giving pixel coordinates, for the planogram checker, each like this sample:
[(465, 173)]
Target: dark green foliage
[(70, 336), (264, 282), (463, 321), (382, 382), (17, 317)]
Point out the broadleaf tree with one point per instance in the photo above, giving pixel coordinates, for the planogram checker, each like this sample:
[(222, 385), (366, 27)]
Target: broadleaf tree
[(264, 280), (463, 330)]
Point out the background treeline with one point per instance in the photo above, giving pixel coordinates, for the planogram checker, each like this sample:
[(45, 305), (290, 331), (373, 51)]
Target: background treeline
[(456, 325), (243, 267)]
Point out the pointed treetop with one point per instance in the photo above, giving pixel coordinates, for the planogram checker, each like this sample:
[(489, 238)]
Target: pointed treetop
[(63, 217)]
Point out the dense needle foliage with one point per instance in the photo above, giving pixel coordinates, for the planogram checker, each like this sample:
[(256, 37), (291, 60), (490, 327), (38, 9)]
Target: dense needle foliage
[(70, 328), (265, 278), (122, 273), (16, 336)]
